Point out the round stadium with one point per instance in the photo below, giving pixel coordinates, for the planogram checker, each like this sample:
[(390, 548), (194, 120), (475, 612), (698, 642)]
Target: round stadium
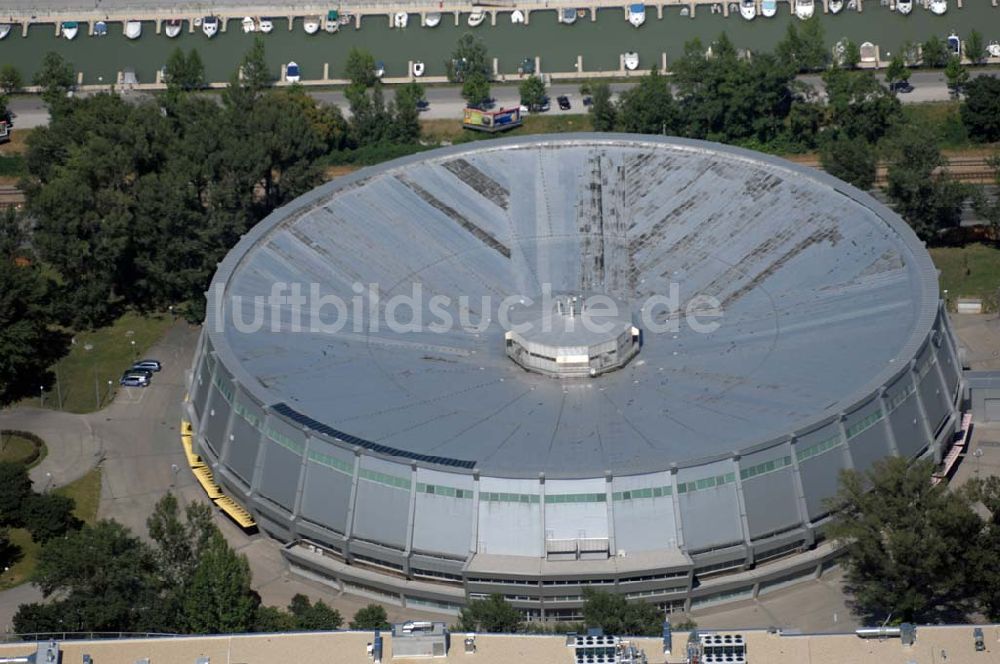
[(400, 374)]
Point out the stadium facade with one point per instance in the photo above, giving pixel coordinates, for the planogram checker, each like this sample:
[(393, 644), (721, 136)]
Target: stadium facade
[(428, 466)]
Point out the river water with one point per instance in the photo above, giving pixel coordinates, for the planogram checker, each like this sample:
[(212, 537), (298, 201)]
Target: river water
[(600, 43)]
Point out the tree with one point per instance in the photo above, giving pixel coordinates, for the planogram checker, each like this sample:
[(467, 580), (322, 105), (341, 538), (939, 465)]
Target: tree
[(406, 112), (179, 542), (605, 115), (532, 91), (15, 488), (476, 89), (907, 543), (360, 68), (981, 109), (956, 75), (493, 614), (314, 617), (218, 598), (648, 107), (859, 105), (184, 72), (806, 51), (896, 72), (48, 516), (469, 59), (28, 342), (935, 52), (615, 615), (975, 47), (372, 616), (922, 190), (850, 159), (55, 77), (10, 79), (100, 578)]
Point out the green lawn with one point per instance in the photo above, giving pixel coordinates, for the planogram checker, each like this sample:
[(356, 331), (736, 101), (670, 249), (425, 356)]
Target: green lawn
[(86, 493), (969, 271), (24, 564), (98, 357), (18, 449)]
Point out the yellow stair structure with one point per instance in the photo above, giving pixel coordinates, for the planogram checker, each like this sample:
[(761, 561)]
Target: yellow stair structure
[(203, 474)]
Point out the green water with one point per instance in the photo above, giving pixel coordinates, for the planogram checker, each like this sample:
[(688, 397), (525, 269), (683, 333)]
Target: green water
[(600, 43)]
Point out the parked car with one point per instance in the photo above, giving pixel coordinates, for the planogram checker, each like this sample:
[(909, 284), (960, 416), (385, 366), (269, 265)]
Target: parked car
[(563, 102), (148, 365), (133, 380)]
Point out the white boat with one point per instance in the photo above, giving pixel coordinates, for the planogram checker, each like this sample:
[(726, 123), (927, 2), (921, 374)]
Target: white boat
[(100, 29), (476, 18), (400, 19), (249, 25), (939, 6), (904, 7), (418, 68), (379, 69), (804, 9), (432, 20), (265, 25), (332, 21), (768, 8), (292, 72), (4, 29), (567, 16), (748, 9), (133, 29), (835, 6), (517, 17), (954, 44), (631, 60), (70, 29), (637, 14), (210, 26), (310, 24), (993, 49), (173, 27)]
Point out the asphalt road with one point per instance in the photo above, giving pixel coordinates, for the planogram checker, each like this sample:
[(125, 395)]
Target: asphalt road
[(446, 102)]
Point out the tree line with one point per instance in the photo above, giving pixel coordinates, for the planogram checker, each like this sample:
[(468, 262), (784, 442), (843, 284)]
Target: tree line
[(187, 580)]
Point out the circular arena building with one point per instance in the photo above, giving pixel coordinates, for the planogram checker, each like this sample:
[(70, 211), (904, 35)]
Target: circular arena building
[(536, 365)]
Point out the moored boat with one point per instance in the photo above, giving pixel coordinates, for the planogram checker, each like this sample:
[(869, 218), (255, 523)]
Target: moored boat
[(332, 21), (637, 14), (418, 68), (804, 9), (631, 60), (292, 72), (100, 29), (210, 26), (432, 20), (768, 8), (939, 6), (835, 6), (69, 29), (265, 25), (133, 29), (249, 25), (954, 44), (476, 18), (904, 7), (310, 24), (567, 16), (173, 27), (748, 9), (517, 17)]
